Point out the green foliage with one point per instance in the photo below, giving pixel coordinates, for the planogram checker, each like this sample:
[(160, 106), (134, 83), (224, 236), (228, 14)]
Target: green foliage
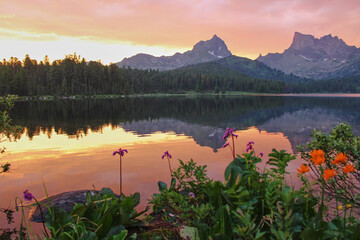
[(190, 177), (279, 161), (104, 216)]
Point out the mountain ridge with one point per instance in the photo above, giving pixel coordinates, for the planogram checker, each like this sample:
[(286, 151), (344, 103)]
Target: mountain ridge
[(316, 58), (203, 51)]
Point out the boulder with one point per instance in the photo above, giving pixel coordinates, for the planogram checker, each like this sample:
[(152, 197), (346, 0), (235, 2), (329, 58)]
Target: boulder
[(65, 200)]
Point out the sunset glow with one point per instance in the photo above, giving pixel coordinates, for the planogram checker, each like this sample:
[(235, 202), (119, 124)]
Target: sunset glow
[(111, 30)]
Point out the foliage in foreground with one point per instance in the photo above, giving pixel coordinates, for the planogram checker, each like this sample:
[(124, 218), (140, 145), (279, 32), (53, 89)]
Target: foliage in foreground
[(251, 203), (254, 204)]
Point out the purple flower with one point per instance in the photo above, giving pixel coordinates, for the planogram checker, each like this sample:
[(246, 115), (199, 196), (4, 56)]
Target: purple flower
[(261, 154), (249, 146), (250, 143), (192, 195), (120, 152), (27, 195), (166, 154), (225, 145), (229, 132)]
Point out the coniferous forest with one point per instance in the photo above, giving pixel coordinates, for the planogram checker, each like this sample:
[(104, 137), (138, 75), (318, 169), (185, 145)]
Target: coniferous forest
[(73, 75)]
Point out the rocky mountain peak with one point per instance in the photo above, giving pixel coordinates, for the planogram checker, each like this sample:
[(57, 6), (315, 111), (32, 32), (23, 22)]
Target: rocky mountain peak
[(317, 58), (301, 41), (326, 47), (203, 51), (215, 46)]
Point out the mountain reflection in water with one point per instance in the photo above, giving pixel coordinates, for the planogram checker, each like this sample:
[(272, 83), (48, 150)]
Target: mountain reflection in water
[(202, 118)]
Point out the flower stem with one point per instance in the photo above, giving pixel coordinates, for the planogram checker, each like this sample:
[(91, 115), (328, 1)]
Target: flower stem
[(120, 175), (233, 148), (169, 165), (42, 217)]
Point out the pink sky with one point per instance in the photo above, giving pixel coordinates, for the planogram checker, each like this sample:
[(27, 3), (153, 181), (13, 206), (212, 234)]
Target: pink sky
[(113, 29)]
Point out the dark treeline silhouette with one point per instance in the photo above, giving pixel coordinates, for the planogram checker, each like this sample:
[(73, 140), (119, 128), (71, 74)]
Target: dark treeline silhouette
[(74, 76)]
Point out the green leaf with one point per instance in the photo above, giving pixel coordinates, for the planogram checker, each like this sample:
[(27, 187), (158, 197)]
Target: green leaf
[(162, 186), (136, 197), (107, 191)]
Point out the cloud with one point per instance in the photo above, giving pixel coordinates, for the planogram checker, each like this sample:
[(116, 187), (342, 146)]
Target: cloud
[(248, 27)]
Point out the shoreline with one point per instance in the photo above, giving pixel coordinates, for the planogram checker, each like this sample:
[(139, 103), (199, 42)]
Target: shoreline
[(74, 97)]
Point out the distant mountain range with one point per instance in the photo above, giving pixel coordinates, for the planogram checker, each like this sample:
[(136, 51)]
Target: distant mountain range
[(310, 57), (203, 51), (306, 58)]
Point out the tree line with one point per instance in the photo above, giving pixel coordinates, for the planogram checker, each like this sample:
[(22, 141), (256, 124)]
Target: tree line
[(73, 75)]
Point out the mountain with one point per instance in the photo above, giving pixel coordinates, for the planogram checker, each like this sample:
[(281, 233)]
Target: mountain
[(240, 66), (310, 57), (203, 51)]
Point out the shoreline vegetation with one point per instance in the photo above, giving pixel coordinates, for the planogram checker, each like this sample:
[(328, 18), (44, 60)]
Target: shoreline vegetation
[(188, 94)]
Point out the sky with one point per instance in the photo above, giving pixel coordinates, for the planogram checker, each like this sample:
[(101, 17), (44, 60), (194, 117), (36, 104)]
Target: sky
[(109, 30)]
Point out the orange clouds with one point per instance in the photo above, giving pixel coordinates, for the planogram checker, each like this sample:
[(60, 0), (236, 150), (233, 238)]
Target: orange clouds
[(248, 27)]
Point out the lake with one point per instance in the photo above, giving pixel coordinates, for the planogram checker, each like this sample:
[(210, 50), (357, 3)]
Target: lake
[(68, 144)]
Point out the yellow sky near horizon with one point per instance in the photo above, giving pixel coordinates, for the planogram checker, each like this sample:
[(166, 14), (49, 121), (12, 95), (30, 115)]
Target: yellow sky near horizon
[(110, 30)]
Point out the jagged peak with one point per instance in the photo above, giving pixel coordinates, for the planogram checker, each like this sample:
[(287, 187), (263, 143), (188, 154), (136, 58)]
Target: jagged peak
[(215, 37)]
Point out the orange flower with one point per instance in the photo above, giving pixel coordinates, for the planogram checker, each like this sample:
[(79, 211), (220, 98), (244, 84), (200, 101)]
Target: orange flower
[(317, 157), (340, 158), (348, 168), (329, 173), (303, 169)]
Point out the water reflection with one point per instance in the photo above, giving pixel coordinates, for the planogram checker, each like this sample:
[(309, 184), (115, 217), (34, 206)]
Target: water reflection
[(201, 118), (68, 143)]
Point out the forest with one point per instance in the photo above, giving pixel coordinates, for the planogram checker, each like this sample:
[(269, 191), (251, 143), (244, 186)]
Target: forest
[(74, 75)]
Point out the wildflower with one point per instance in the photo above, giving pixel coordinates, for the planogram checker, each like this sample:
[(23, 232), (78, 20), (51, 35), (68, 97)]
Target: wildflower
[(28, 196), (348, 206), (348, 168), (120, 152), (261, 154), (225, 145), (329, 173), (192, 195), (303, 169), (317, 157), (230, 132), (171, 215), (166, 154), (250, 143), (340, 158), (340, 207), (249, 146)]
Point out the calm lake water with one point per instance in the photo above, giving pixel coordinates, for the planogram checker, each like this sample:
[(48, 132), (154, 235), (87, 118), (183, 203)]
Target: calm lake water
[(68, 144)]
